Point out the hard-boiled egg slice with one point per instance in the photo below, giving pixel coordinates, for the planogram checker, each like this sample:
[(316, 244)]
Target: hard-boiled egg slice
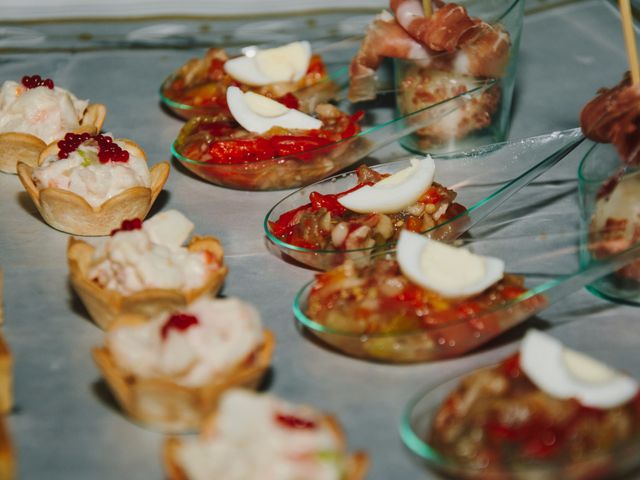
[(288, 63), (394, 193), (449, 271), (565, 373), (170, 228), (257, 113)]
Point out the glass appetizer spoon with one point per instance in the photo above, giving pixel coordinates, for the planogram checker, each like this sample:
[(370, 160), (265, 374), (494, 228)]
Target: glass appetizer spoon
[(492, 174), (459, 326), (556, 437), (295, 170)]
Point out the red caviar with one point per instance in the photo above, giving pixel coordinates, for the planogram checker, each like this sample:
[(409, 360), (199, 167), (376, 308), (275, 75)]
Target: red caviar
[(291, 421), (128, 225), (179, 322), (34, 81), (108, 150)]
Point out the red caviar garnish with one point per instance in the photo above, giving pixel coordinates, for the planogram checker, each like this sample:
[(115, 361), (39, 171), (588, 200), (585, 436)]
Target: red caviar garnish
[(108, 150), (178, 321), (128, 225), (291, 421), (35, 81)]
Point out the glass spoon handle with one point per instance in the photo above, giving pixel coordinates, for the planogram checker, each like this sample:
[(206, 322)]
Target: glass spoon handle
[(560, 287), (560, 143)]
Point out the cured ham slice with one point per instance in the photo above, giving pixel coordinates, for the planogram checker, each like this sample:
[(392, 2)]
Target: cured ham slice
[(449, 40), (614, 117)]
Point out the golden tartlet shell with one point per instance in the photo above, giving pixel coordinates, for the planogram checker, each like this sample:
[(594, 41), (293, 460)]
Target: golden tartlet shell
[(105, 305), (26, 148), (357, 463), (70, 213), (164, 405)]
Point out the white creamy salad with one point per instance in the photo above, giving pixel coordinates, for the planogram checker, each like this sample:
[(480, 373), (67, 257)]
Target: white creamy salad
[(43, 112), (260, 437), (151, 257), (220, 334), (82, 173)]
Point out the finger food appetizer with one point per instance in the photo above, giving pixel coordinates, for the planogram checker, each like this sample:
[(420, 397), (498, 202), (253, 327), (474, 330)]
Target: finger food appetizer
[(443, 56), (267, 145), (168, 371), (284, 73), (545, 412), (34, 113), (614, 226), (88, 184), (431, 300), (257, 436), (143, 268), (373, 213)]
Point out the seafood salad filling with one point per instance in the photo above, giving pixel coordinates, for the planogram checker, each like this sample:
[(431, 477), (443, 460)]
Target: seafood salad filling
[(546, 405), (95, 167), (148, 255), (207, 338), (372, 213), (37, 107), (260, 436)]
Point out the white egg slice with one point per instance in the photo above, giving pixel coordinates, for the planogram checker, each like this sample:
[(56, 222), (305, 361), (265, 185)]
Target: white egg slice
[(449, 271), (394, 193), (170, 228), (257, 113), (565, 373), (288, 63)]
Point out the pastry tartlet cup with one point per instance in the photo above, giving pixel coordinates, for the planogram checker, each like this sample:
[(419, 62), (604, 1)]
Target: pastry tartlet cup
[(162, 404), (18, 147), (69, 212), (105, 305), (356, 464)]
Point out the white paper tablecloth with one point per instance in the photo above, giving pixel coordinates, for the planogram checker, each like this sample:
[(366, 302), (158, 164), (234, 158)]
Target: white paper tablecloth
[(40, 9)]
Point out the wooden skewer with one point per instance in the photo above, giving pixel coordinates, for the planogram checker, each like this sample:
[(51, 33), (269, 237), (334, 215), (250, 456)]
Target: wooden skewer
[(428, 9), (629, 40), (1, 297)]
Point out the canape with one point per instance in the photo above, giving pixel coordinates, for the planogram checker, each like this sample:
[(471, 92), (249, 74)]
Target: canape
[(438, 55), (267, 145), (428, 301), (256, 436), (545, 412), (290, 74), (609, 181), (34, 113), (371, 214), (88, 184), (167, 372), (144, 269)]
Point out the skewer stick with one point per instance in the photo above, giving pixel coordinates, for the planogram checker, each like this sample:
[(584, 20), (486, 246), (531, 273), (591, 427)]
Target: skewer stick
[(428, 9), (629, 40), (1, 297)]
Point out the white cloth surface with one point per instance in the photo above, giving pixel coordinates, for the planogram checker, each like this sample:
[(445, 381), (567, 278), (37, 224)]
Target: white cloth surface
[(55, 9)]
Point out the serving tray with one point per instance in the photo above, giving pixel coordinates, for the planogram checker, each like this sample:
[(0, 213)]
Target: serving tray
[(65, 424)]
